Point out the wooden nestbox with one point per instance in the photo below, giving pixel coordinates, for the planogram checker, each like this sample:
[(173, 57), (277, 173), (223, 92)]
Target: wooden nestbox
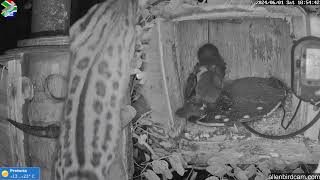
[(254, 42)]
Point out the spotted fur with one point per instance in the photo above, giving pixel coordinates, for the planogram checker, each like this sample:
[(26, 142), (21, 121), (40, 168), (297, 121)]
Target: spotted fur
[(102, 44)]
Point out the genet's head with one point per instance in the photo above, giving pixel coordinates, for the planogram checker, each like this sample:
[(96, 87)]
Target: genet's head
[(208, 55)]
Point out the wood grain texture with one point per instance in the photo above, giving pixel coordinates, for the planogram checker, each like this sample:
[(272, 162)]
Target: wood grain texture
[(153, 89), (190, 36), (15, 104), (3, 92), (162, 88), (42, 110), (203, 145), (6, 158), (253, 47), (170, 69)]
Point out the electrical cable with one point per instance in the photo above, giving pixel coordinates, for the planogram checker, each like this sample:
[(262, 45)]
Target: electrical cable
[(311, 123), (286, 136), (292, 118)]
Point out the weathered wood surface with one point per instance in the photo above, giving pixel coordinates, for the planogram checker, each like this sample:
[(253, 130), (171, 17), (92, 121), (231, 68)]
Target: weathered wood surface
[(191, 35), (15, 109), (162, 87), (6, 158), (42, 109), (3, 92)]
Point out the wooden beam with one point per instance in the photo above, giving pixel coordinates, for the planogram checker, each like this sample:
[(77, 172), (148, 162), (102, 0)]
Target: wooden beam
[(15, 104)]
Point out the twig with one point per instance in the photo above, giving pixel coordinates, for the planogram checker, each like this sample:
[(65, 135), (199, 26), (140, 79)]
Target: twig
[(149, 133), (138, 165), (143, 116), (190, 173), (148, 163)]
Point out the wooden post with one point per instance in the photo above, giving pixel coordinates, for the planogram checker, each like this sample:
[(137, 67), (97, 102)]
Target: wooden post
[(15, 102)]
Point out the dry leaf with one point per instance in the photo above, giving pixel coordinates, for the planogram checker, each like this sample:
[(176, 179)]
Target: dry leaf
[(218, 160), (140, 75), (176, 164), (160, 166), (260, 177), (135, 71), (154, 156), (127, 114), (293, 166), (183, 161), (148, 158), (264, 167), (298, 170), (212, 178), (251, 171), (168, 174), (241, 175), (136, 63), (144, 121), (142, 139), (218, 170), (166, 144), (278, 164), (150, 175), (145, 13)]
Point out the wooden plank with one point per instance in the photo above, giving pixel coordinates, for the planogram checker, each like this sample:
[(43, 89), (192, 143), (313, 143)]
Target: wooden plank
[(42, 110), (3, 92), (15, 103), (164, 80), (190, 36), (198, 144), (170, 68), (6, 159), (253, 150), (153, 89), (253, 47)]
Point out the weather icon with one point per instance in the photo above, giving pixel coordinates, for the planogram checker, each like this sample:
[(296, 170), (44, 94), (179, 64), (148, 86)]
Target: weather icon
[(4, 173)]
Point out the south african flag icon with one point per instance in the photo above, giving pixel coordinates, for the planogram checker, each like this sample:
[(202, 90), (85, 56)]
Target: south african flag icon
[(10, 8)]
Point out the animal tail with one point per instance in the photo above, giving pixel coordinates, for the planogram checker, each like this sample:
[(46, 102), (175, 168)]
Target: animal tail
[(51, 131)]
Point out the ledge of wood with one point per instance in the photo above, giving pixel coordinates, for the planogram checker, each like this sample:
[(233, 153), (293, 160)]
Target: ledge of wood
[(238, 146)]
